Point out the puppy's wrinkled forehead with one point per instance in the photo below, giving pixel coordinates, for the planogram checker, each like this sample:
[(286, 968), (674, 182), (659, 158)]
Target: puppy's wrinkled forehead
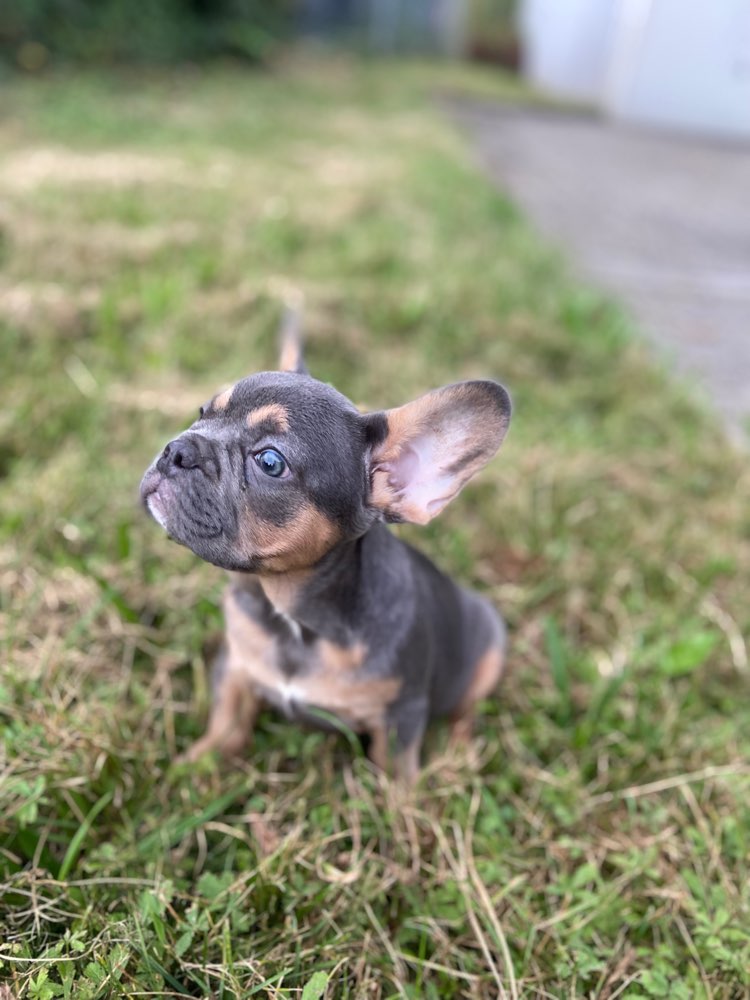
[(320, 428), (292, 402)]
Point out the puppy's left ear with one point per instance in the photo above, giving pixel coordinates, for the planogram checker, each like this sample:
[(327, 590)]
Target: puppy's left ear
[(423, 453)]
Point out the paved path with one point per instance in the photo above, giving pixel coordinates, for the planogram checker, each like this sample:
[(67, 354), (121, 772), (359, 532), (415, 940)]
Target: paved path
[(663, 222)]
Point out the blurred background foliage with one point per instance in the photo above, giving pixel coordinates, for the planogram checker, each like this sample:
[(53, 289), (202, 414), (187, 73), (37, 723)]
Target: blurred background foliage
[(37, 33)]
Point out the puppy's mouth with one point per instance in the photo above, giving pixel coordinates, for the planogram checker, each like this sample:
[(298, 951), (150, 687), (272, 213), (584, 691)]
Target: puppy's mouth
[(153, 489), (189, 520)]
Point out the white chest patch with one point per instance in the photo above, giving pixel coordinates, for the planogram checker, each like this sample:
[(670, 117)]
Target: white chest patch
[(294, 626), (291, 692), (288, 696)]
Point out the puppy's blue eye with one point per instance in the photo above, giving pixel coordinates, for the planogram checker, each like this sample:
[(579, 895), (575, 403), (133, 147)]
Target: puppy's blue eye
[(271, 462)]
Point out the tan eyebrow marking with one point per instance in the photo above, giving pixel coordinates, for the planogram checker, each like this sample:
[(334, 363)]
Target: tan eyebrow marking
[(221, 401), (273, 412)]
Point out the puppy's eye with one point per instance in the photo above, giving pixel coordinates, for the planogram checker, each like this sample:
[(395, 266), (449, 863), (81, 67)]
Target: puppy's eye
[(271, 462)]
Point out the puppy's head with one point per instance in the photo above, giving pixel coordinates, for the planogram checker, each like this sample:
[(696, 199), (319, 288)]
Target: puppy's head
[(281, 467)]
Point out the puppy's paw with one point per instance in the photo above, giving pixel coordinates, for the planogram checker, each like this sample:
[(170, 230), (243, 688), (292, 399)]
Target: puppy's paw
[(229, 745)]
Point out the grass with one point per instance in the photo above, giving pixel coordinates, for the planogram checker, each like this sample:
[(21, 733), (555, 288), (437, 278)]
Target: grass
[(594, 839)]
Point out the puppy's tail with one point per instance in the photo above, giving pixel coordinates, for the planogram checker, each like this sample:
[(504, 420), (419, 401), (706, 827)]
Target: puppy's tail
[(290, 338)]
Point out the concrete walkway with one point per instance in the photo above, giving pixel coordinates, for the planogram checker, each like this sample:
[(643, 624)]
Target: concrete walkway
[(660, 221)]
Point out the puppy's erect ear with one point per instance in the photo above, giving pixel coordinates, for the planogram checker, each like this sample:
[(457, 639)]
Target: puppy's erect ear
[(423, 453), (290, 342)]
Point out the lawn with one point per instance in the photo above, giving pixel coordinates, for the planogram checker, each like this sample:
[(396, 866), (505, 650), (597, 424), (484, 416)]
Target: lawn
[(594, 839)]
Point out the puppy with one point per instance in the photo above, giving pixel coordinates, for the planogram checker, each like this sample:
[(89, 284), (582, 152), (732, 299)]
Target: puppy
[(328, 617)]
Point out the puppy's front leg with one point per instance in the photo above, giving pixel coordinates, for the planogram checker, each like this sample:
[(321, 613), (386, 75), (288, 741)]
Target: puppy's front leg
[(410, 721), (233, 713), (378, 749), (406, 757)]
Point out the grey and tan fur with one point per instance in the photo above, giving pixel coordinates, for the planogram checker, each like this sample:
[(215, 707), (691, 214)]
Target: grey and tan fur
[(285, 484)]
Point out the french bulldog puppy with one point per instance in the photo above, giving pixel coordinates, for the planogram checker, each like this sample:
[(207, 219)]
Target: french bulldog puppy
[(329, 617)]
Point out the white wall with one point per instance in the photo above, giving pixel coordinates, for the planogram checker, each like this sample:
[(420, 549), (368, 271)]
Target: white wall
[(566, 45), (676, 63), (683, 63)]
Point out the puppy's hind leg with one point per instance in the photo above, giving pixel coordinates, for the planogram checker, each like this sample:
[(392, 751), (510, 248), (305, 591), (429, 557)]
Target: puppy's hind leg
[(233, 713), (485, 677), (487, 674)]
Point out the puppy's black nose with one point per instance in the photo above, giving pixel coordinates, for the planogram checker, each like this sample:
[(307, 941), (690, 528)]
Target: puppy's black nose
[(182, 453)]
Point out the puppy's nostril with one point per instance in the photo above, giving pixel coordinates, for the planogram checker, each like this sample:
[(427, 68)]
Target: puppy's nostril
[(179, 454), (185, 458)]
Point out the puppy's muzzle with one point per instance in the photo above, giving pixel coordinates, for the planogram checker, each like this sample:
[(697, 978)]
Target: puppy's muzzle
[(189, 451)]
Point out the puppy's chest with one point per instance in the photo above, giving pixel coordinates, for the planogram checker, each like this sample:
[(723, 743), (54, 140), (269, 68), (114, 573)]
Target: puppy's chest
[(299, 673)]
